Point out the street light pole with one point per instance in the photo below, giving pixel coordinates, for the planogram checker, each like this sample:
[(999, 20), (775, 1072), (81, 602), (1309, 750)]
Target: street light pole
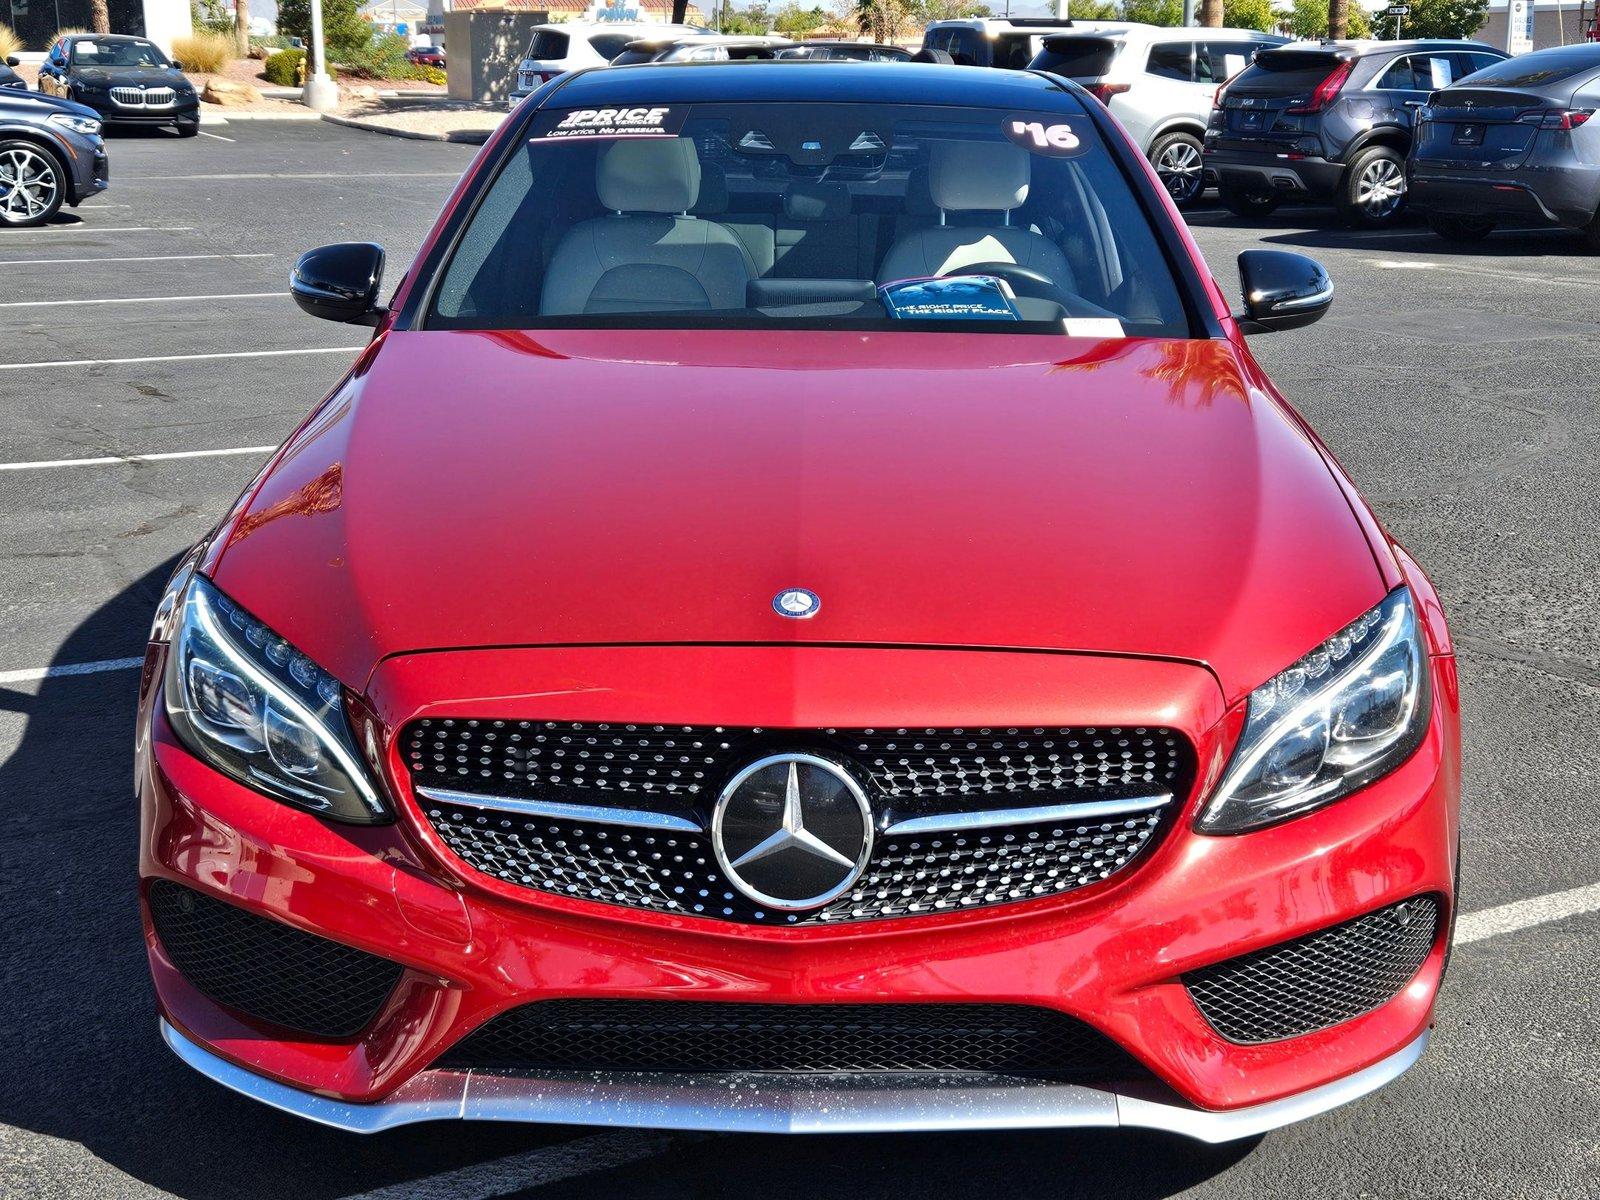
[(320, 92)]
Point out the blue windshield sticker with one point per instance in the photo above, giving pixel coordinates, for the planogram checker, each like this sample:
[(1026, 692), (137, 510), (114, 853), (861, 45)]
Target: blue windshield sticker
[(950, 298)]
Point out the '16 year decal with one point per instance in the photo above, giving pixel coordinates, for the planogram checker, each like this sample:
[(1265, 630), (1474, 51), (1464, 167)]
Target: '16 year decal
[(1042, 134)]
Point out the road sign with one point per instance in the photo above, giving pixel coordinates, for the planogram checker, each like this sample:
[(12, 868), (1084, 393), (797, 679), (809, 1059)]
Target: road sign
[(1397, 10)]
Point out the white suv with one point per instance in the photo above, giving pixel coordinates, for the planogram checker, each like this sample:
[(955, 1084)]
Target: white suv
[(1159, 83), (556, 49)]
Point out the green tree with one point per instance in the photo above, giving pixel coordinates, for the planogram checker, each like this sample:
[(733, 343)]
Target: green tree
[(344, 29), (925, 11), (796, 22), (1096, 10), (1153, 12), (1437, 19), (744, 22), (1309, 19), (1249, 14), (881, 20)]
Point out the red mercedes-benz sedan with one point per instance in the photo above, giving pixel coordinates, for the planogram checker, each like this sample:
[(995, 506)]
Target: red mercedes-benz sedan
[(807, 616)]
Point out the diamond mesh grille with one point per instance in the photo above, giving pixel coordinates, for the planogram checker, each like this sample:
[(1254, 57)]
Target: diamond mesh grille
[(1319, 980), (680, 770), (266, 969), (672, 1035)]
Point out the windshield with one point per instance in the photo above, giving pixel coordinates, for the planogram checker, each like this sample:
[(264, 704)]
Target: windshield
[(1283, 73), (117, 54), (831, 215)]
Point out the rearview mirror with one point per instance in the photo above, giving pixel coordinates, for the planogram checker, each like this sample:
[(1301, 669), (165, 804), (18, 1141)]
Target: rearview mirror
[(1282, 290), (340, 282)]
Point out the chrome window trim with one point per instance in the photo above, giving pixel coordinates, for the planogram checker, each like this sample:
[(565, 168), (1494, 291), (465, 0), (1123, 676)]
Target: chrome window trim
[(995, 818), (778, 1104), (637, 818)]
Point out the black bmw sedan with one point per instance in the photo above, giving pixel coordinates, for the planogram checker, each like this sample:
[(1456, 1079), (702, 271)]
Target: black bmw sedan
[(127, 80), (50, 154)]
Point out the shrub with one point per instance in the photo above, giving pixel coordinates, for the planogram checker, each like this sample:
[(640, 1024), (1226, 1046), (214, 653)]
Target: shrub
[(283, 68), (205, 52), (433, 75), (384, 57), (10, 43)]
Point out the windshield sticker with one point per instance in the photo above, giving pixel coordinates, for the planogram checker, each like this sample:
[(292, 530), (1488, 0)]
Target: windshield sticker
[(1093, 327), (583, 123), (951, 298), (1055, 139)]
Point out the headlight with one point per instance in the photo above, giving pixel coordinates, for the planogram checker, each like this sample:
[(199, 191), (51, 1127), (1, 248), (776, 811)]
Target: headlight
[(1351, 710), (250, 704), (84, 125)]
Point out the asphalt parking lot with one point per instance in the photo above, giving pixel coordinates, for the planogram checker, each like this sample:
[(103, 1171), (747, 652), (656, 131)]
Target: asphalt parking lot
[(1458, 388)]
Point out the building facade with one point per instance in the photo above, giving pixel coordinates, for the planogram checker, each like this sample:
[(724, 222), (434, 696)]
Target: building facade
[(37, 22)]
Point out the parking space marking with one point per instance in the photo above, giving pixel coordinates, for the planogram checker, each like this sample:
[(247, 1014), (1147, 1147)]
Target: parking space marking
[(141, 300), (530, 1169), (120, 459), (62, 262), (87, 228), (1524, 914), (218, 136), (259, 175), (158, 358), (92, 668), (1476, 269)]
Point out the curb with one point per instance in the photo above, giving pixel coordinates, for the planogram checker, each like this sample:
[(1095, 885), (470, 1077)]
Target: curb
[(471, 137)]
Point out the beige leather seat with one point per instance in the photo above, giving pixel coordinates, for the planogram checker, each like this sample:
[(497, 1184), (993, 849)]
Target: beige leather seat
[(976, 177), (647, 255)]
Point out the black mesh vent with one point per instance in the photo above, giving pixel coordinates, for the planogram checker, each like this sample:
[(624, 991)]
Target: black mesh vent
[(676, 765), (1319, 980), (906, 773), (677, 872), (268, 970), (705, 1036)]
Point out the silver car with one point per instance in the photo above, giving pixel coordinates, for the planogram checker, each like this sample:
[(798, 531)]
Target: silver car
[(1159, 83)]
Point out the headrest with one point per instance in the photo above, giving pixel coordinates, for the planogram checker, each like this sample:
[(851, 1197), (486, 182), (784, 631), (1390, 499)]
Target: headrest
[(970, 176), (816, 202), (657, 175)]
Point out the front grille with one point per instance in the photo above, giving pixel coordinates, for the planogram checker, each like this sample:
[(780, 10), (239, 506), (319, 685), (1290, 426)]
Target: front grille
[(129, 97), (680, 770), (711, 1036), (268, 970), (1319, 980)]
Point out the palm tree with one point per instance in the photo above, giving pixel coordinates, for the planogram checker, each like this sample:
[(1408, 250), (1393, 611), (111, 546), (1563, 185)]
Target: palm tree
[(241, 27), (1338, 18), (99, 16), (1211, 13)]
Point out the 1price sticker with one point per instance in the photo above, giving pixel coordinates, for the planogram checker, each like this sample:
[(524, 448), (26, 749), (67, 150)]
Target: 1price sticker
[(1043, 135)]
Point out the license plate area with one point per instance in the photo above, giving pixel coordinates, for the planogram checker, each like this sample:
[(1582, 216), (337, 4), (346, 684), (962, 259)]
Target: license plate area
[(1467, 135)]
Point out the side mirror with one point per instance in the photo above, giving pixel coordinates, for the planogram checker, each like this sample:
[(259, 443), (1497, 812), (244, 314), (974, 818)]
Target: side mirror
[(1282, 290), (177, 65), (340, 282), (13, 61)]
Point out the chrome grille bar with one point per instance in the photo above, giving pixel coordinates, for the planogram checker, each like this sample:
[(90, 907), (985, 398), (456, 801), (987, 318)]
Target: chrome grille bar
[(996, 818), (637, 818)]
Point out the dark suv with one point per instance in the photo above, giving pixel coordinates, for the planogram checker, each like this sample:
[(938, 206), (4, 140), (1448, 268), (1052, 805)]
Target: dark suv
[(1329, 121)]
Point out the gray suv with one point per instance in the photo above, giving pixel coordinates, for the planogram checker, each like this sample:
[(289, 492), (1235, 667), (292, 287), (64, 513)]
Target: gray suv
[(1329, 121), (50, 154), (1516, 144)]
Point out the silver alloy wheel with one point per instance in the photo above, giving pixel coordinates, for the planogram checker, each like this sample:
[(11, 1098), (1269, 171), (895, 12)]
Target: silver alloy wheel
[(1381, 188), (1179, 166), (28, 185)]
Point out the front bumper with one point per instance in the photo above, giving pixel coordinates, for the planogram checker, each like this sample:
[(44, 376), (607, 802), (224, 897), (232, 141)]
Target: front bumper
[(186, 110), (88, 168), (1111, 954)]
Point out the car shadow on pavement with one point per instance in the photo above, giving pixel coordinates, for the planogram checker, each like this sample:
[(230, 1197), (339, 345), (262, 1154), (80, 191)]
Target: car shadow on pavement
[(86, 1068)]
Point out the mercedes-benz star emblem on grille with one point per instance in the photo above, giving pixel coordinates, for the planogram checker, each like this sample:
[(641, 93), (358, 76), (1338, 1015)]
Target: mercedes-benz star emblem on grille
[(798, 603), (792, 831)]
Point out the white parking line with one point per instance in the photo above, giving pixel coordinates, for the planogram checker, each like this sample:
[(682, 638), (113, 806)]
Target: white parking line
[(62, 262), (142, 300), (119, 459), (218, 136), (92, 668), (1525, 914), (259, 175), (1475, 269), (530, 1169), (87, 228), (156, 358)]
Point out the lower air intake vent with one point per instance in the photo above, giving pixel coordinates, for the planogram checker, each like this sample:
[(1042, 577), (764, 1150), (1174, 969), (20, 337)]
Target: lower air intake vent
[(268, 970), (1319, 980), (704, 1036)]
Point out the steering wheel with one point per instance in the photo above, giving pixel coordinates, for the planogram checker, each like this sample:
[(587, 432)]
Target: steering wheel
[(1024, 281)]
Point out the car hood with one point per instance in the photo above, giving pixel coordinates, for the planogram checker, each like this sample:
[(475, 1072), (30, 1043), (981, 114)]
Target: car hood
[(1130, 497), (38, 105), (129, 76)]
